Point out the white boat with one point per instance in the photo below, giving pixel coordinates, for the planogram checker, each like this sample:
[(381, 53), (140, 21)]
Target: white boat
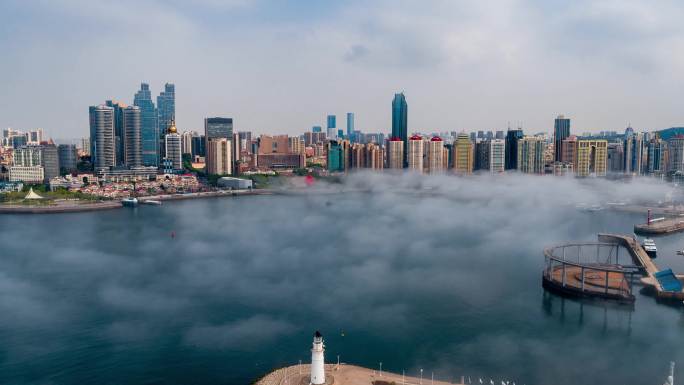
[(650, 247), (129, 201), (151, 202)]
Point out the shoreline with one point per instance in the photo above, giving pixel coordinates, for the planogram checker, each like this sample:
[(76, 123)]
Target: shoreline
[(345, 374), (71, 207)]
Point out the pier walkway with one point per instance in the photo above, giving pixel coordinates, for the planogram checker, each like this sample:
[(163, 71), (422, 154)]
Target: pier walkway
[(661, 281)]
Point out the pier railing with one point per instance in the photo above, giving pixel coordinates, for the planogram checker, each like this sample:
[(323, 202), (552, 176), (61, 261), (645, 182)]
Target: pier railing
[(590, 269)]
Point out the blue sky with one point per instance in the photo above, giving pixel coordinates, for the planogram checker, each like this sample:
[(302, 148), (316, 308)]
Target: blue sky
[(281, 66)]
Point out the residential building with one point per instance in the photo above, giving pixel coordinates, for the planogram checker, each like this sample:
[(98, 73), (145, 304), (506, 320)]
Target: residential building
[(592, 156), (497, 154), (415, 153), (463, 154), (530, 155), (435, 155), (395, 153)]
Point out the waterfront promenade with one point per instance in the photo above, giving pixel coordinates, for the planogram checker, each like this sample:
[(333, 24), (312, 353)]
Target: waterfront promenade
[(346, 375)]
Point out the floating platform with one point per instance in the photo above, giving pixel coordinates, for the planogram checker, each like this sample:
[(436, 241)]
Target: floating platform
[(589, 270)]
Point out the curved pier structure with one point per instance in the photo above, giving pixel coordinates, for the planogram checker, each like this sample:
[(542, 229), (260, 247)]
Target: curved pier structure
[(589, 270)]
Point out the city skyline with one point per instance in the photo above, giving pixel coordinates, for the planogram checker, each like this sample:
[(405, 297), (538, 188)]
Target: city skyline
[(463, 66)]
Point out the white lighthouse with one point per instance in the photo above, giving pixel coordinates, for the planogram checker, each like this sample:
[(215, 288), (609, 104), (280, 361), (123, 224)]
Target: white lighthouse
[(317, 360)]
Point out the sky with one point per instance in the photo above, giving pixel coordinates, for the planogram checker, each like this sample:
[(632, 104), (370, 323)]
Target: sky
[(282, 66)]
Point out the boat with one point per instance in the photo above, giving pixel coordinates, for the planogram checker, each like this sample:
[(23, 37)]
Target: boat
[(650, 247), (151, 202), (129, 202), (680, 252)]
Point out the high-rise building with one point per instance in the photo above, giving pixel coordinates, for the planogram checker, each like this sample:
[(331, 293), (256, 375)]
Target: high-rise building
[(481, 157), (316, 129), (118, 130), (149, 130), (531, 155), (50, 160), (463, 154), (435, 155), (400, 122), (132, 140), (657, 157), (335, 156), (186, 142), (568, 150), (415, 153), (561, 130), (512, 137), (166, 108), (35, 136), (350, 124), (68, 158), (395, 153), (102, 149), (497, 155), (219, 158), (172, 148), (85, 146), (592, 156), (676, 153), (332, 126), (198, 145), (216, 128), (633, 152), (616, 162)]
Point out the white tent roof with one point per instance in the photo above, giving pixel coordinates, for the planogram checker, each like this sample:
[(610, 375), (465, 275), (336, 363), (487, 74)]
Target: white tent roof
[(32, 195)]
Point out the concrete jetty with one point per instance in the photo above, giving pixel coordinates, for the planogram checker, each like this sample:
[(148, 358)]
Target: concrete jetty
[(660, 227), (344, 374)]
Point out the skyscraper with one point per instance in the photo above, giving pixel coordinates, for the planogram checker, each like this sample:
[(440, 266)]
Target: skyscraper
[(561, 130), (350, 124), (102, 149), (400, 121), (166, 108), (149, 131), (118, 130), (512, 137), (132, 141), (331, 127), (335, 156), (49, 160)]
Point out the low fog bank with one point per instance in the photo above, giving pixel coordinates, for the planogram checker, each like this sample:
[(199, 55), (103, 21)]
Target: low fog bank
[(386, 257)]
